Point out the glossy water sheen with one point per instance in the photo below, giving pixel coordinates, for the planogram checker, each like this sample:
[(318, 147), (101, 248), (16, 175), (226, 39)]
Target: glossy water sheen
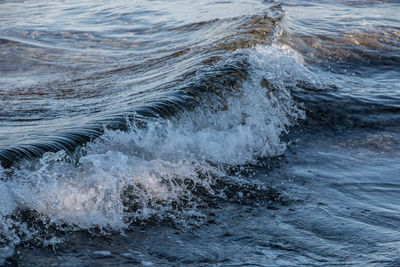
[(232, 133), (67, 64)]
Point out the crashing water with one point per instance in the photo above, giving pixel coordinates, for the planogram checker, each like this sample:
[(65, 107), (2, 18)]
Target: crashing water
[(165, 169), (203, 133)]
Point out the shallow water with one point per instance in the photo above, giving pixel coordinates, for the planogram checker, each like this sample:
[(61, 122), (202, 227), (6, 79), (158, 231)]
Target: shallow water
[(200, 133)]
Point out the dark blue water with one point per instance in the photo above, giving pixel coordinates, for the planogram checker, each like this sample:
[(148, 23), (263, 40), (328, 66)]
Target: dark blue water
[(229, 133)]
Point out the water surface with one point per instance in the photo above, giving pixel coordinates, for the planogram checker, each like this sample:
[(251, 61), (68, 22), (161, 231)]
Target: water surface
[(199, 133)]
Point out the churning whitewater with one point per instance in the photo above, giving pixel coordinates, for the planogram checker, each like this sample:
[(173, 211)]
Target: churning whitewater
[(162, 170), (199, 133)]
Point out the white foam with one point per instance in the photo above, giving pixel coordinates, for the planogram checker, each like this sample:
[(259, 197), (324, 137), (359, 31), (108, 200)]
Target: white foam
[(157, 161), (7, 204)]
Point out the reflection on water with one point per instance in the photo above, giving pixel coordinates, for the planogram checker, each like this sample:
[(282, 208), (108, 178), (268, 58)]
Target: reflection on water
[(366, 35), (72, 62), (199, 133)]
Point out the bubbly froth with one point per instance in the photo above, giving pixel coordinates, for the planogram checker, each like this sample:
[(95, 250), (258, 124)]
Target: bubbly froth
[(166, 168)]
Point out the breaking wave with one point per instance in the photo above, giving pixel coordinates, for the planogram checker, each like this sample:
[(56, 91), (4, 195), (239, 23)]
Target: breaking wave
[(163, 169)]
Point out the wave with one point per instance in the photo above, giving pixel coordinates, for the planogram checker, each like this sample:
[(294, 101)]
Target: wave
[(150, 87), (165, 169), (175, 136)]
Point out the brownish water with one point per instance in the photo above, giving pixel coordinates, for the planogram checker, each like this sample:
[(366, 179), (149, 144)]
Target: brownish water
[(229, 133)]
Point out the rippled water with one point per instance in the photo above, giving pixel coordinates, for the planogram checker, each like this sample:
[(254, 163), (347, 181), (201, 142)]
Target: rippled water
[(199, 133)]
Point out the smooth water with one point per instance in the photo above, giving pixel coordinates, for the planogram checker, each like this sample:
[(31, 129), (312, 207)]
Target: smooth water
[(233, 133)]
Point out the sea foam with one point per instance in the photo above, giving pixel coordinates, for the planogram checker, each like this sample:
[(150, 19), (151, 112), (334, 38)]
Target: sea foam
[(163, 170)]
